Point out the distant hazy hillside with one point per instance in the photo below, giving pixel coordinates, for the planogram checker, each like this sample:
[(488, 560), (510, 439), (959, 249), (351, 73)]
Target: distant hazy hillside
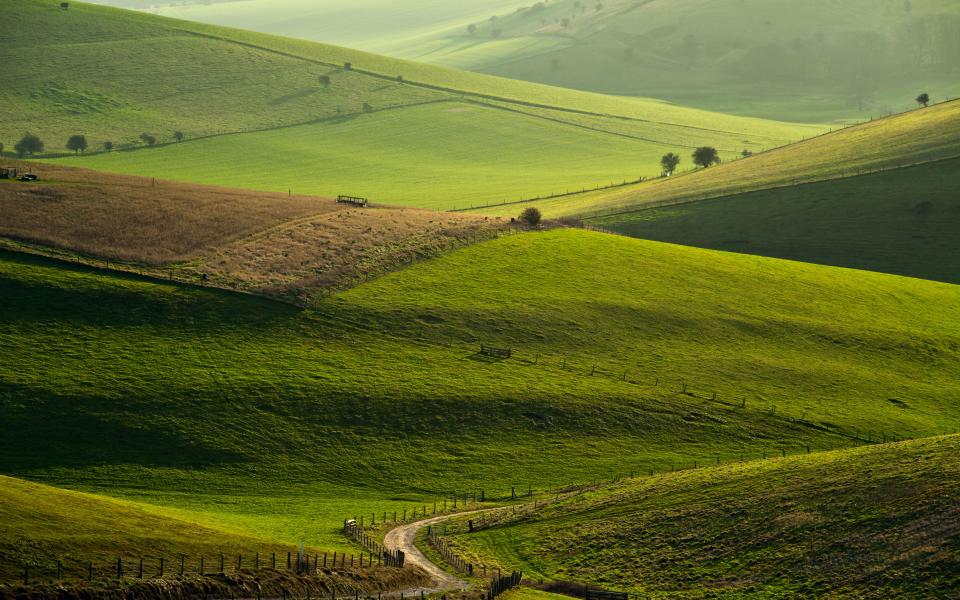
[(816, 59), (811, 60), (373, 25)]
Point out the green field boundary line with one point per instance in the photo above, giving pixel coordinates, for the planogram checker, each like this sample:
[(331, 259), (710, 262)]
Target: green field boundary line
[(625, 209), (731, 193), (587, 127), (451, 90), (550, 196), (317, 121)]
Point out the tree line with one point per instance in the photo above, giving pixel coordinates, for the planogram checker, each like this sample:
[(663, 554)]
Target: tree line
[(707, 156), (30, 144)]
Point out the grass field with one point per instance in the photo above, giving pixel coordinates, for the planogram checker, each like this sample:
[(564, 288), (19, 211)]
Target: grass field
[(901, 140), (113, 75), (813, 61), (37, 522), (903, 221), (425, 156), (877, 521), (73, 541), (279, 423)]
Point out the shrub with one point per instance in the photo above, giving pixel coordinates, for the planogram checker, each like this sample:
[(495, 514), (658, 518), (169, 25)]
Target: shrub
[(531, 216)]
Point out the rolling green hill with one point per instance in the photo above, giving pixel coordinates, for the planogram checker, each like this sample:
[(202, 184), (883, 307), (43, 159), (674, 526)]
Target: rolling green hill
[(113, 75), (628, 354), (811, 61), (905, 221), (902, 140), (878, 521), (41, 524)]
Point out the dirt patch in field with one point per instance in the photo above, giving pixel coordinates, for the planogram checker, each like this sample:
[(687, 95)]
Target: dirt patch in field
[(293, 248), (137, 219), (310, 257)]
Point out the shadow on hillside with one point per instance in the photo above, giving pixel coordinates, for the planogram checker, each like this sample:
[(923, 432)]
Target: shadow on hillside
[(41, 430), (71, 294), (299, 94)]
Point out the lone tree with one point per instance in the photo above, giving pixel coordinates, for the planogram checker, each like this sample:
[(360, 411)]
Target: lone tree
[(108, 146), (531, 216), (669, 163), (367, 107), (706, 156), (77, 143), (1, 149), (471, 28), (28, 144), (148, 139), (923, 99), (178, 135), (325, 80)]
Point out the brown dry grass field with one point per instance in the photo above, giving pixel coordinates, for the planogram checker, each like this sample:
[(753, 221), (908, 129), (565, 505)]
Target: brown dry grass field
[(293, 248)]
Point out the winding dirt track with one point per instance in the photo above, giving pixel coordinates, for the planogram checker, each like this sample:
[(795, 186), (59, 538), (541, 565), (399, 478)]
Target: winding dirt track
[(401, 538)]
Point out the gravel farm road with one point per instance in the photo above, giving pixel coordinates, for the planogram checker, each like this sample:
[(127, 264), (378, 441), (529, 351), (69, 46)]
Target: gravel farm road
[(401, 538)]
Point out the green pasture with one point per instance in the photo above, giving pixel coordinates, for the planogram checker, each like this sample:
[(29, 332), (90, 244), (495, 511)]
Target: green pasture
[(112, 75), (813, 61), (902, 140), (902, 221), (443, 155), (873, 521), (278, 423)]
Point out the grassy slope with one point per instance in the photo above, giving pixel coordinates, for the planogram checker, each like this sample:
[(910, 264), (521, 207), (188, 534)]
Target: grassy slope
[(878, 521), (813, 61), (280, 423), (427, 156), (904, 221), (918, 136), (112, 75), (810, 61), (40, 524)]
